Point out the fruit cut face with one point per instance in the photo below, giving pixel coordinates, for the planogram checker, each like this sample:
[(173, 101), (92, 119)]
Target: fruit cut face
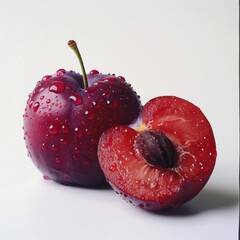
[(63, 123), (190, 131), (155, 187)]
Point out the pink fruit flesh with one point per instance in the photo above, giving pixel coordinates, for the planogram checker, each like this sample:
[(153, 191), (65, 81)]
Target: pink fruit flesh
[(156, 187), (63, 123)]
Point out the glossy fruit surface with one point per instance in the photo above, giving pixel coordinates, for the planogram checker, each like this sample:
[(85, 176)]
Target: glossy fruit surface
[(164, 159), (63, 123)]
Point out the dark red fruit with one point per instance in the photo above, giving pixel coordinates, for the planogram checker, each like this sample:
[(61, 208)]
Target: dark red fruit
[(164, 159), (63, 122)]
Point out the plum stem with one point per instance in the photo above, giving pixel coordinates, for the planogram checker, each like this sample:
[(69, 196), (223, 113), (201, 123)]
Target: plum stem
[(73, 45)]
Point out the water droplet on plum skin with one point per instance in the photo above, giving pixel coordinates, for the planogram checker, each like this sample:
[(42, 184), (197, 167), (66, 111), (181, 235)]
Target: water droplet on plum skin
[(77, 99), (30, 104), (75, 157), (57, 87), (94, 72), (45, 78), (65, 129), (63, 141), (54, 148), (122, 79), (53, 129), (78, 132), (36, 106), (44, 146), (60, 72), (41, 89), (77, 150), (87, 131)]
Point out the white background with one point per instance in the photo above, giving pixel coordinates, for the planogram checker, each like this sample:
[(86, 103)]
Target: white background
[(186, 48)]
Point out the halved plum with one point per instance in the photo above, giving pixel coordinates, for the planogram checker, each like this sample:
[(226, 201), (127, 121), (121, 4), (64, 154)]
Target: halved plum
[(164, 159)]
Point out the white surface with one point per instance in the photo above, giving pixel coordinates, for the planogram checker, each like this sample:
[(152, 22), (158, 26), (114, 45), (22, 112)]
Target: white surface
[(184, 48)]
